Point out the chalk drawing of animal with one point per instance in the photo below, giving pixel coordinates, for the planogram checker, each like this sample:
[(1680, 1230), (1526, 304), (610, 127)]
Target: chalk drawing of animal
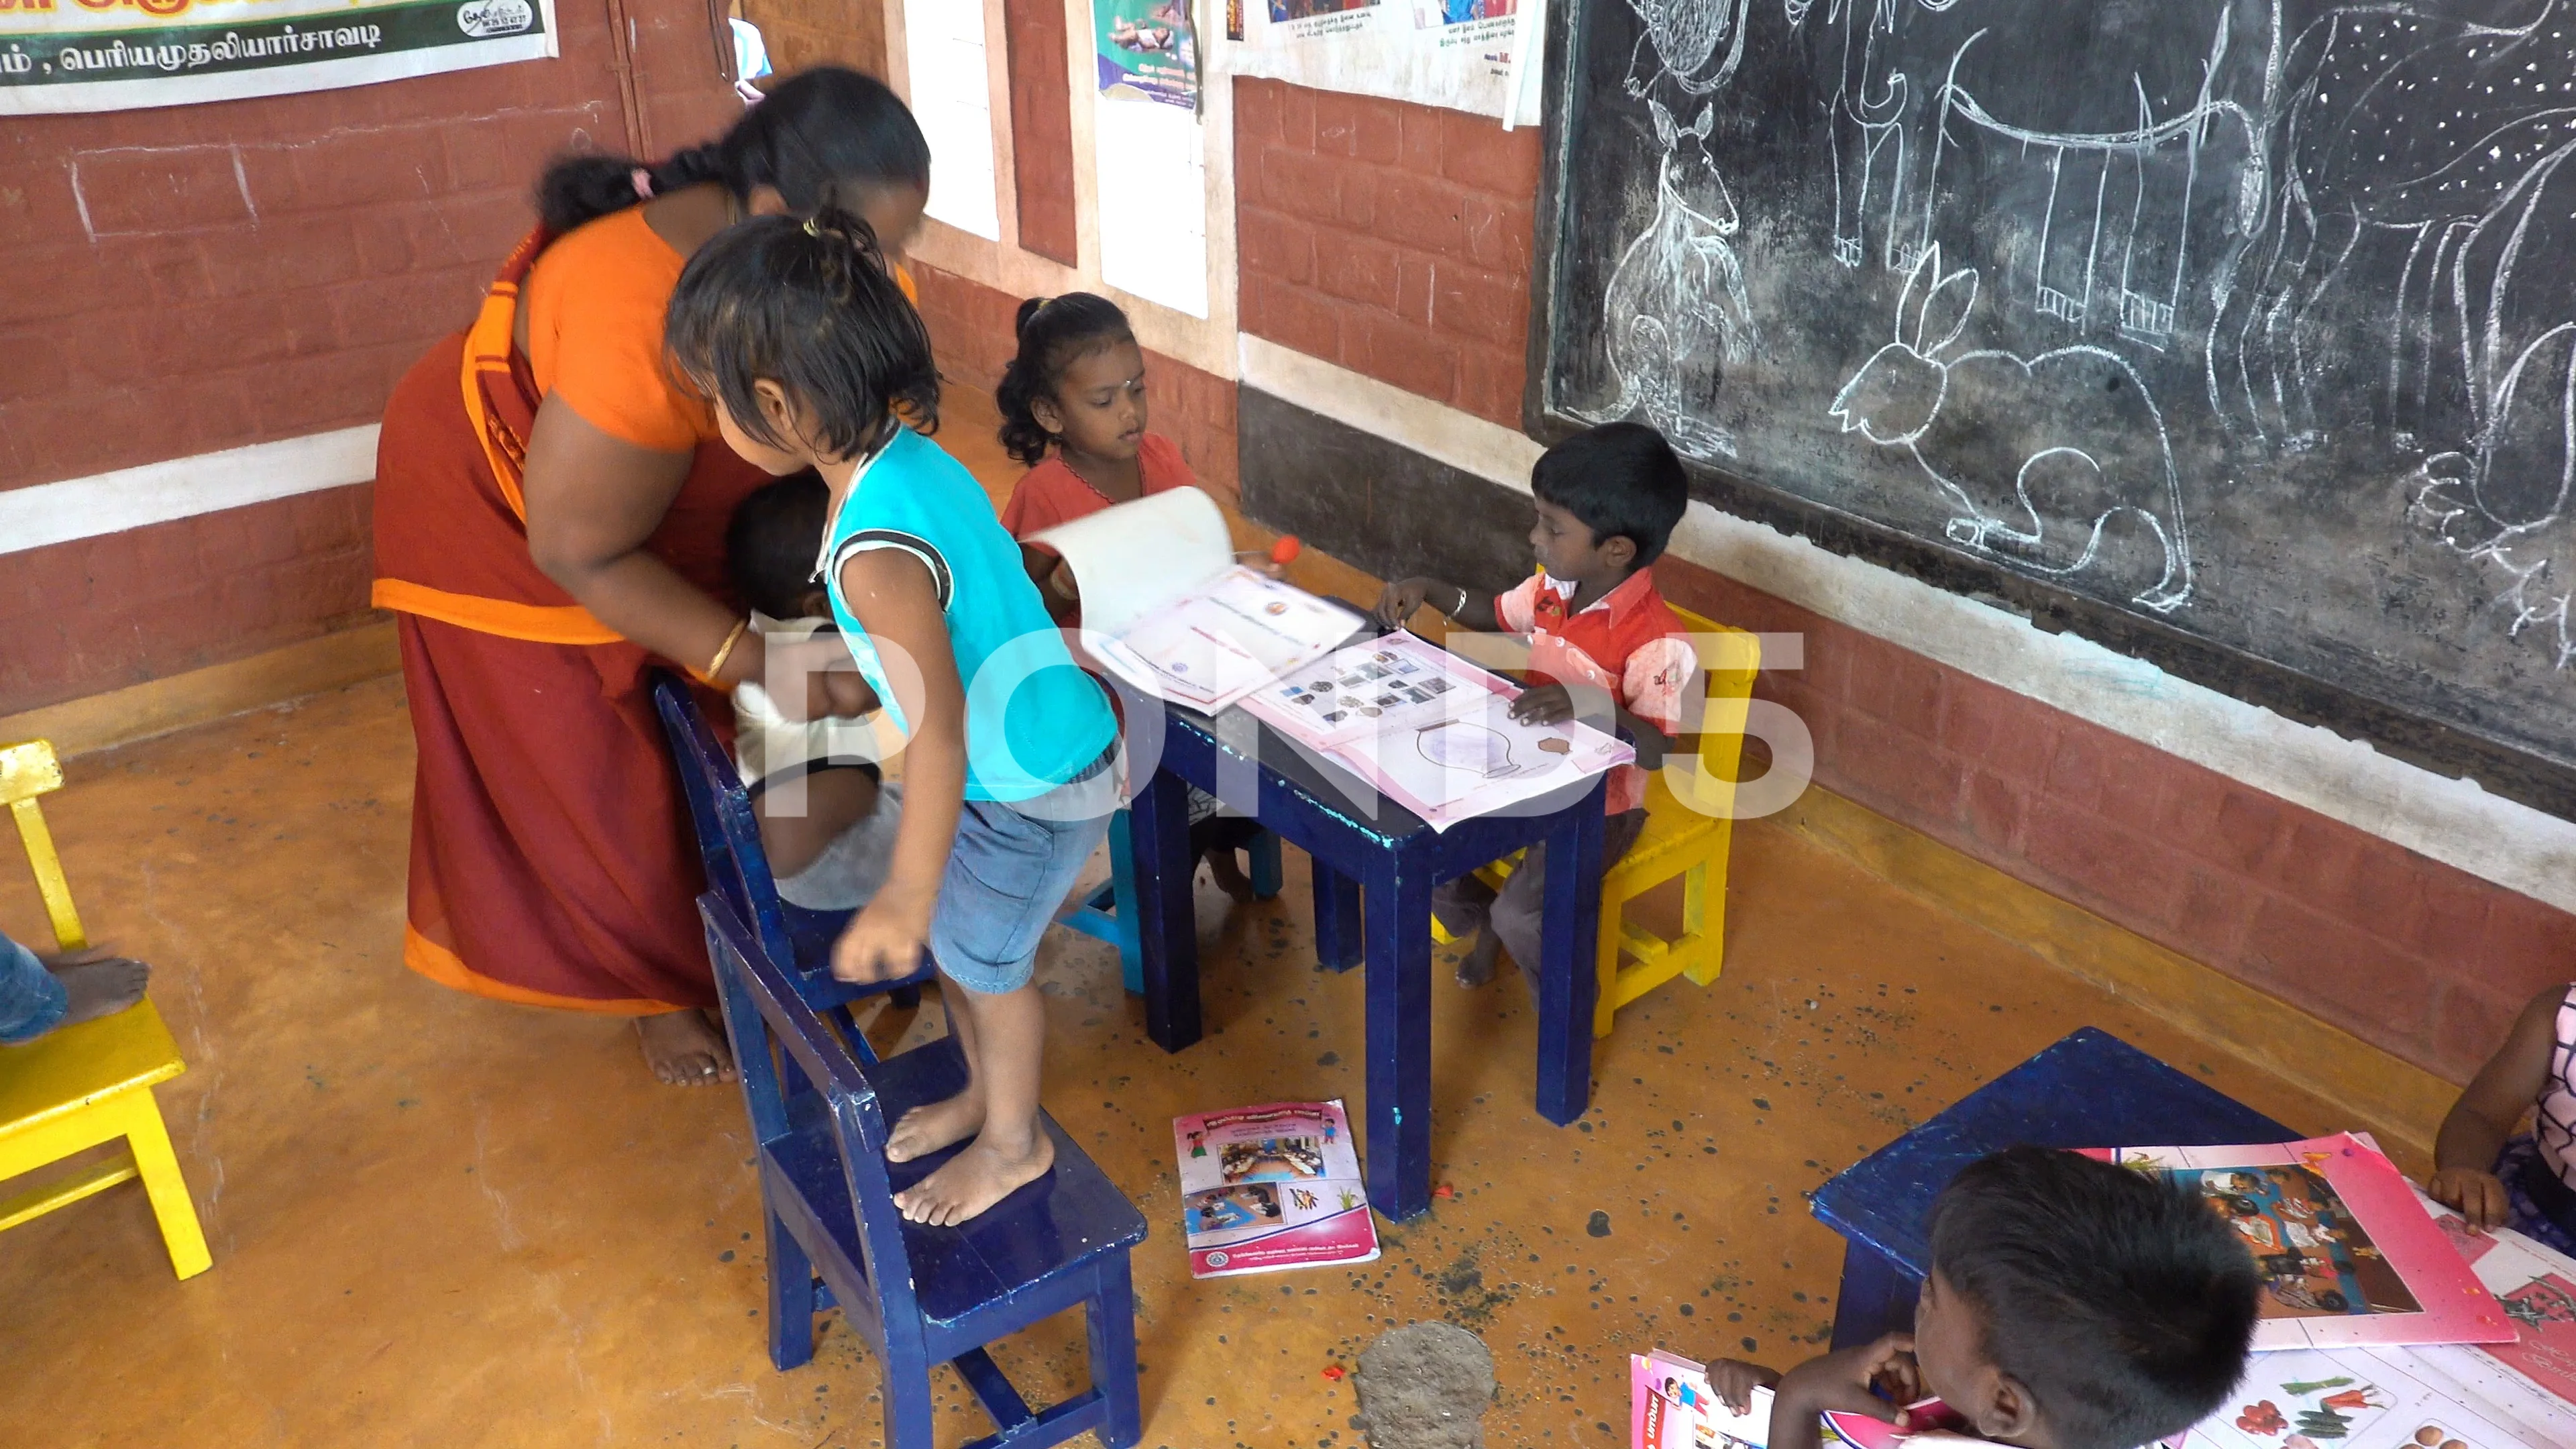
[(2040, 456), (1676, 315)]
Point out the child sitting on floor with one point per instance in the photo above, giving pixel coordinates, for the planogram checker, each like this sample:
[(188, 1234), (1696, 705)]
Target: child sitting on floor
[(2495, 1176), (1607, 501), (2072, 1305), (827, 819), (814, 359), (1073, 409)]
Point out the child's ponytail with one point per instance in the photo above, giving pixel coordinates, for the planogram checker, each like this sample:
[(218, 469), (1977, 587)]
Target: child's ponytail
[(810, 306), (821, 137), (1053, 331)]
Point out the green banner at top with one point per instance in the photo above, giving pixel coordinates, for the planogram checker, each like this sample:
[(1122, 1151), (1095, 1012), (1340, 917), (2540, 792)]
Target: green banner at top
[(115, 55)]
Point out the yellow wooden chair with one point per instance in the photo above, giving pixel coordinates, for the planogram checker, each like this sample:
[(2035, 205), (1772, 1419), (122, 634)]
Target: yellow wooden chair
[(89, 1084), (1687, 834)]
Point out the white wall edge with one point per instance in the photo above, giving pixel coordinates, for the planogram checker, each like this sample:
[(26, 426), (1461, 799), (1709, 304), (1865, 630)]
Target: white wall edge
[(44, 514), (2452, 821)]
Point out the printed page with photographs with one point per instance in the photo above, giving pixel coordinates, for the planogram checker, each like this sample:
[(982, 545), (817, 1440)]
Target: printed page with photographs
[(1168, 609), (1271, 1187), (1430, 730), (2348, 1254), (1672, 1407), (2536, 1286), (2388, 1398)]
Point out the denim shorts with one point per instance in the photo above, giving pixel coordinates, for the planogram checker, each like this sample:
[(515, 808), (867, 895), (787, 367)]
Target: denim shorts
[(1012, 867)]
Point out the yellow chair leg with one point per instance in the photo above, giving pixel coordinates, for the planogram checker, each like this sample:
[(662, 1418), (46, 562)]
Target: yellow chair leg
[(50, 884), (1705, 918), (1605, 956), (159, 1167)]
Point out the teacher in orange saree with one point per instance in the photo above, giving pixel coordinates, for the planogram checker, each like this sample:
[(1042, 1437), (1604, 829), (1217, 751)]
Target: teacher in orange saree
[(550, 513)]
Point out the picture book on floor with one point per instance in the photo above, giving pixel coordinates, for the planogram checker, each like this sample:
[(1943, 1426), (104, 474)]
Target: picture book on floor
[(2347, 1252), (1431, 731), (1271, 1187), (1672, 1407), (1166, 607)]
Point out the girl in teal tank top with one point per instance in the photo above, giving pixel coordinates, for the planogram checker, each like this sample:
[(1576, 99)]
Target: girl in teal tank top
[(814, 358)]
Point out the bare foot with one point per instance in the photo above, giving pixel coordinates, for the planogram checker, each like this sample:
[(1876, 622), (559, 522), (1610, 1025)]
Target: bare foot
[(934, 1125), (1228, 873), (685, 1049), (99, 986), (1477, 966), (974, 1180)]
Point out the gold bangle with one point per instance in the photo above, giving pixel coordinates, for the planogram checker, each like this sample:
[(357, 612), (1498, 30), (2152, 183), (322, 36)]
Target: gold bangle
[(715, 666)]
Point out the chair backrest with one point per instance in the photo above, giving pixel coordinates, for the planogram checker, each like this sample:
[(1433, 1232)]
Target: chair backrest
[(27, 771), (1730, 659), (729, 834), (784, 1049)]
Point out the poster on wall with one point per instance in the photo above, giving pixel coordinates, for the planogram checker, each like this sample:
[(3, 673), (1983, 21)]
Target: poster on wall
[(60, 56), (1454, 53), (1147, 50)]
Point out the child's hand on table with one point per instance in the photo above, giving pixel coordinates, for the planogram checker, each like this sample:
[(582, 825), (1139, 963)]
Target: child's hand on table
[(2480, 1196), (885, 940), (1733, 1381)]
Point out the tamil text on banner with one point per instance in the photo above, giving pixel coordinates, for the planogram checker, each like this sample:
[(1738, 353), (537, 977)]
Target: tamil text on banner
[(1148, 50), (115, 55)]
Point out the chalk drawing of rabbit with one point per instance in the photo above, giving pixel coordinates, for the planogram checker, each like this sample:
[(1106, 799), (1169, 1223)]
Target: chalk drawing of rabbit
[(2040, 455), (1675, 314)]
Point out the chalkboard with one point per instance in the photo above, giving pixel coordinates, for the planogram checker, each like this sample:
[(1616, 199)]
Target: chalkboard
[(2234, 334)]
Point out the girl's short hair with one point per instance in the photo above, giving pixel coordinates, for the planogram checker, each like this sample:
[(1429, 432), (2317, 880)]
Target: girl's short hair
[(809, 306), (821, 136), (1053, 332)]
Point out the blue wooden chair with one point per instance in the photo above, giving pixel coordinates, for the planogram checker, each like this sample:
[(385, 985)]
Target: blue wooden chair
[(920, 1295), (1102, 915), (738, 869)]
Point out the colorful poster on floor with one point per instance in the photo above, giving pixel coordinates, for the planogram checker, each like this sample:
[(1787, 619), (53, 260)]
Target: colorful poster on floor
[(114, 55), (1148, 51), (1452, 53)]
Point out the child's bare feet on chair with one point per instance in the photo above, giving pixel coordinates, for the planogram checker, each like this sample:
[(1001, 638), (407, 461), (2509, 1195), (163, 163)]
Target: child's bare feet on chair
[(685, 1049), (934, 1125), (1228, 873), (975, 1179), (97, 983)]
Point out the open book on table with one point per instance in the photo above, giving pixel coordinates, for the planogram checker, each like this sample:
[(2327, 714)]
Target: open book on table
[(1166, 608), (1431, 731)]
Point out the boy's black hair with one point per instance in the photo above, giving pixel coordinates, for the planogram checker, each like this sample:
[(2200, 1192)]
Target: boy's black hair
[(1623, 480), (809, 306), (2117, 1298), (1053, 331), (821, 136), (772, 540)]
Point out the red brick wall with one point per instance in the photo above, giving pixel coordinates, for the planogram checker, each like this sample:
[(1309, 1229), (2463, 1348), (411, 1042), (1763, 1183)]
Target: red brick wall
[(1393, 239), (971, 326), (203, 277), (1042, 129)]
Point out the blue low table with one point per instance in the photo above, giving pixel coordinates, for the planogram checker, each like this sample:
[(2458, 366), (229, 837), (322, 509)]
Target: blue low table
[(2090, 1090), (1366, 848)]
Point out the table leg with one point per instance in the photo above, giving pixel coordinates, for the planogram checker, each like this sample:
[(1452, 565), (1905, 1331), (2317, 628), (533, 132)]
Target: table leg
[(1167, 934), (1398, 1144), (1876, 1297), (1337, 918), (1569, 982)]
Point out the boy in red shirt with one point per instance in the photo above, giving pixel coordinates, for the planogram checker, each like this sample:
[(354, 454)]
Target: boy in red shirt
[(1603, 645)]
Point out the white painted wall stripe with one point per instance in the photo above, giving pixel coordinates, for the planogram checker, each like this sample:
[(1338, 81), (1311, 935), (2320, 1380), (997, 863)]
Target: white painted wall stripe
[(103, 503), (2452, 821)]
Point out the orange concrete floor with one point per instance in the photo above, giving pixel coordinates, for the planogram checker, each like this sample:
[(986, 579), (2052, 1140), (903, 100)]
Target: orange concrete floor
[(437, 1220)]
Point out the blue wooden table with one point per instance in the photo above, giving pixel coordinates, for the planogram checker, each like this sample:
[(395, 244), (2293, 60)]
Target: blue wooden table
[(1375, 866), (2089, 1090)]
